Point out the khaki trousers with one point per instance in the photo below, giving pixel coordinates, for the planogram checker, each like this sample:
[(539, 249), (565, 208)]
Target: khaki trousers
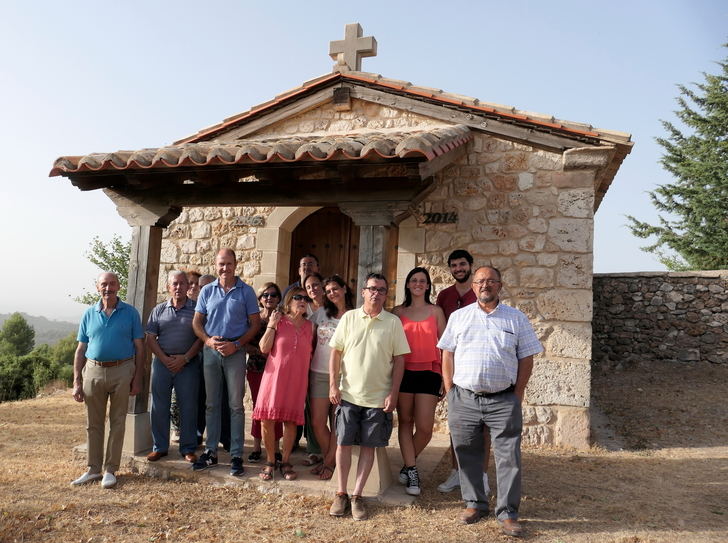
[(102, 385)]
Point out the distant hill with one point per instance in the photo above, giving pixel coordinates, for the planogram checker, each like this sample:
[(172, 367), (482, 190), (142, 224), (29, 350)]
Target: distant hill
[(46, 330)]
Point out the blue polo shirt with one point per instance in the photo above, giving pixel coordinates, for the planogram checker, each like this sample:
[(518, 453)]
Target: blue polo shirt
[(110, 338), (227, 312), (173, 327)]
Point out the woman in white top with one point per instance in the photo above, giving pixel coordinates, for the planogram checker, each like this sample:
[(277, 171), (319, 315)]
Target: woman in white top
[(338, 300), (314, 285)]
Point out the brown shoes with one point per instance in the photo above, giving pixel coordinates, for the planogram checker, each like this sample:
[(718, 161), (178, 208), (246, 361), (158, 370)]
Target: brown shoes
[(155, 455), (511, 527), (340, 505), (358, 511), (191, 458), (472, 515)]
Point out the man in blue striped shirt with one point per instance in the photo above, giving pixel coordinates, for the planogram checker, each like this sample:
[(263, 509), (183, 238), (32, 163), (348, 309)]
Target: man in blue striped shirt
[(487, 359)]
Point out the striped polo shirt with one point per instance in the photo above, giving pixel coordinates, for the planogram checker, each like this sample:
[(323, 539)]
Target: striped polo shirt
[(173, 327)]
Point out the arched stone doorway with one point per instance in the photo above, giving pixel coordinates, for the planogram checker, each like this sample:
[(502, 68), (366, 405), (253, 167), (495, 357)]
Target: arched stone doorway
[(333, 238)]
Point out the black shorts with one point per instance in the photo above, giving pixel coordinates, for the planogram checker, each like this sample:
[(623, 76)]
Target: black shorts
[(421, 382)]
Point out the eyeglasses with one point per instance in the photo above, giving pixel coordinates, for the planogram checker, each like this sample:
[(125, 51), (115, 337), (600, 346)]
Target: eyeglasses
[(269, 295), (373, 290), (299, 297), (488, 282)]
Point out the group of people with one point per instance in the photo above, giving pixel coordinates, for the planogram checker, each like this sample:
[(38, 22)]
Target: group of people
[(314, 361)]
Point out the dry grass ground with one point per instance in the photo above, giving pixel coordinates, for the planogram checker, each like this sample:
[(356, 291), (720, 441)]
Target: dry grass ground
[(669, 484)]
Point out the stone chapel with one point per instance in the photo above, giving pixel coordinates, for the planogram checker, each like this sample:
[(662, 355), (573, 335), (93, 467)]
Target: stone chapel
[(375, 174)]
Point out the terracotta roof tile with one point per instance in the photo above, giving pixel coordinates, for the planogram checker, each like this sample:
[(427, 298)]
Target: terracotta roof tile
[(428, 144)]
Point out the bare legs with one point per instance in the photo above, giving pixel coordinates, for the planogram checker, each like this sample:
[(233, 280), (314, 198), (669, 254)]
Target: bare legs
[(322, 419), (363, 468), (416, 417)]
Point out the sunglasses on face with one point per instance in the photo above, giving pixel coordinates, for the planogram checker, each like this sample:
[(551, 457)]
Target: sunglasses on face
[(299, 297), (269, 295)]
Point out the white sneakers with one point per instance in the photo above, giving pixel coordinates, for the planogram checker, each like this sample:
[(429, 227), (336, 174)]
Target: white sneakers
[(453, 481), (108, 479), (86, 478)]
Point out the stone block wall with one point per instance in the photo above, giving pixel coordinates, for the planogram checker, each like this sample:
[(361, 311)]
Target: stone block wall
[(669, 316), (525, 211), (518, 210)]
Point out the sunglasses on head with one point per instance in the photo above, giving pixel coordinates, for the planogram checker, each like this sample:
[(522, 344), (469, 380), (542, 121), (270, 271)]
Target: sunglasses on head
[(299, 297)]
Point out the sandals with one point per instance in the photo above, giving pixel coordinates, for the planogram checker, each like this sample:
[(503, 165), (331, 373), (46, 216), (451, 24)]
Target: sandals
[(326, 472), (312, 460), (266, 474), (287, 471)]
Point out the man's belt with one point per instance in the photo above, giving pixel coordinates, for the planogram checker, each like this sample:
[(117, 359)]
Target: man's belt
[(511, 388), (108, 363), (231, 339)]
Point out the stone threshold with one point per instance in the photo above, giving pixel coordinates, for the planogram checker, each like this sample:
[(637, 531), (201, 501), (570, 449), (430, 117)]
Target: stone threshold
[(174, 467)]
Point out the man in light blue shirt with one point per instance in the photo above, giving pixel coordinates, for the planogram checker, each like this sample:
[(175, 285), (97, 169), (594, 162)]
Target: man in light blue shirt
[(487, 359), (108, 367), (226, 318)]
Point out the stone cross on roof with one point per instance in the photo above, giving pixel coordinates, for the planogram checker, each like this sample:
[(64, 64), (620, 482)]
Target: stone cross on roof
[(348, 52)]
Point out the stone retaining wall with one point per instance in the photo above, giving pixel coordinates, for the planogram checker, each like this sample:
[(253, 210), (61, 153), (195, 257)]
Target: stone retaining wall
[(671, 316)]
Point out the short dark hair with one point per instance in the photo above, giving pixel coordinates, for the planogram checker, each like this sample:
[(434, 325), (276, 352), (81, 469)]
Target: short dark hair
[(457, 254), (377, 276), (309, 255)]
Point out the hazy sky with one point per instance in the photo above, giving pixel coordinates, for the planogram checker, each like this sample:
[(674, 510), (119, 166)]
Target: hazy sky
[(79, 77)]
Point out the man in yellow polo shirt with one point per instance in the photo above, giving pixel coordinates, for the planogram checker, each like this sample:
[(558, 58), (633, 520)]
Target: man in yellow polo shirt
[(366, 369)]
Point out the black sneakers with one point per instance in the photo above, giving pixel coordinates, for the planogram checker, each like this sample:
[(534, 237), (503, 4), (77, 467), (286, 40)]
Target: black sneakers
[(236, 466), (413, 481), (206, 460)]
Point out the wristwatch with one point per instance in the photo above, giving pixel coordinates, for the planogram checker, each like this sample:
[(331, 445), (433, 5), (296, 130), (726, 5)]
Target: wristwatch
[(237, 344)]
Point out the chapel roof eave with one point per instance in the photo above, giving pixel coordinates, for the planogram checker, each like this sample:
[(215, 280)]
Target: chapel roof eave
[(537, 121)]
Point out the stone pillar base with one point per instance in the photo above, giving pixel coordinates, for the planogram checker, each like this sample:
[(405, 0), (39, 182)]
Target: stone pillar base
[(138, 434), (380, 478)]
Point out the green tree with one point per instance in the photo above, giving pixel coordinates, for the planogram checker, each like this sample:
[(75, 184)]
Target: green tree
[(693, 222), (112, 257), (17, 336), (64, 350)]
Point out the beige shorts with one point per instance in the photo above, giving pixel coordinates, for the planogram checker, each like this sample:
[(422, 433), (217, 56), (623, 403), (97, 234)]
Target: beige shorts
[(318, 385)]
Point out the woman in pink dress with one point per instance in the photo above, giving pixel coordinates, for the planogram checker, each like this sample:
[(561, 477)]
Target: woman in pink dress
[(288, 340), (421, 387)]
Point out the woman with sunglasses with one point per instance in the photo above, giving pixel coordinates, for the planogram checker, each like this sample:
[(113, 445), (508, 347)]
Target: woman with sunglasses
[(338, 300), (288, 338), (269, 296), (421, 387)]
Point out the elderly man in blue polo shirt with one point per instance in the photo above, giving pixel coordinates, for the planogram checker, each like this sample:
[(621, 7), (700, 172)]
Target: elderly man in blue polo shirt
[(487, 359), (226, 318), (108, 367), (175, 364)]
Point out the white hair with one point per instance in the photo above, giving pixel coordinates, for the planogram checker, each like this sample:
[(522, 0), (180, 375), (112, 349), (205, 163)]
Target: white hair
[(174, 273)]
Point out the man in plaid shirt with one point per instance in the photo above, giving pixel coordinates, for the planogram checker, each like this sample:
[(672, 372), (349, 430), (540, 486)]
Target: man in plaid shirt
[(487, 358)]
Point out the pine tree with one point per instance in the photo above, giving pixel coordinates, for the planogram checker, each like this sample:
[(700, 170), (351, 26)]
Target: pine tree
[(693, 219), (17, 336)]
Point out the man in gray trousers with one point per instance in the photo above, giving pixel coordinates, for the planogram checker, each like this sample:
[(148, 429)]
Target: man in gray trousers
[(487, 358)]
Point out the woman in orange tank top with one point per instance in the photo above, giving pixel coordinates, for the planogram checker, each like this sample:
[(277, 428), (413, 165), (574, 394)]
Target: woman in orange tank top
[(421, 386)]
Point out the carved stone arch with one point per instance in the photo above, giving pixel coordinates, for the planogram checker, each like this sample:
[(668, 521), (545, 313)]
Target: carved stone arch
[(274, 243)]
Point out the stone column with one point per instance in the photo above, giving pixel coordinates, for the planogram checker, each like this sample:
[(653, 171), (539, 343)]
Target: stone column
[(147, 219), (376, 222)]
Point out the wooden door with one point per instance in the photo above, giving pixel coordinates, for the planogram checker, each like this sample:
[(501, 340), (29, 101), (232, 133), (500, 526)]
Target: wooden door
[(333, 238)]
